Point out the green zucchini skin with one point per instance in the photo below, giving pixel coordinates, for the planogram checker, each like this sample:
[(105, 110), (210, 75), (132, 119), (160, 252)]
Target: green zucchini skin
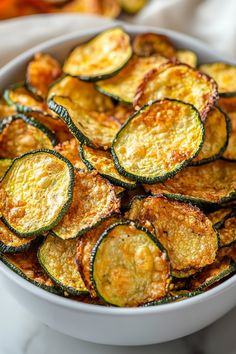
[(67, 204), (115, 97), (9, 249), (153, 180), (180, 295)]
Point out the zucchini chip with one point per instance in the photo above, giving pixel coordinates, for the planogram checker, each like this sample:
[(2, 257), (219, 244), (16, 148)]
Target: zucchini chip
[(225, 76), (101, 57), (147, 44), (230, 152), (41, 71), (213, 183), (129, 266), (20, 134), (4, 164), (82, 92), (94, 199), (181, 82), (123, 86), (5, 109), (185, 232), (187, 57), (217, 131), (102, 162), (70, 150), (85, 247), (11, 243), (132, 6), (158, 141), (37, 190), (57, 257), (93, 128), (227, 229)]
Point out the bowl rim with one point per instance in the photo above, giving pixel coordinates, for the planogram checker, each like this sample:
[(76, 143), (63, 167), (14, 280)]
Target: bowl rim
[(92, 308)]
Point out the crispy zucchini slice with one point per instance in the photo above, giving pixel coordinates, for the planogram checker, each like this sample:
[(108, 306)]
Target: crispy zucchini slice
[(57, 257), (158, 141), (129, 266), (37, 190), (217, 131), (4, 165), (41, 71), (94, 199), (82, 92), (147, 44), (93, 128), (5, 109), (185, 232), (187, 57), (213, 183), (225, 76), (70, 150), (230, 152), (101, 57), (85, 247), (20, 134), (102, 162), (123, 86), (132, 6), (227, 229), (181, 82)]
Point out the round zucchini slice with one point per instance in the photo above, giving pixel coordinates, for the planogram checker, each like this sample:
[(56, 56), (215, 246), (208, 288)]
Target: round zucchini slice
[(41, 71), (102, 162), (4, 165), (147, 44), (217, 131), (230, 152), (5, 109), (129, 266), (225, 76), (20, 134), (123, 86), (37, 190), (70, 150), (187, 57), (185, 232), (57, 257), (213, 183), (158, 141), (101, 57), (181, 82), (94, 199), (90, 127)]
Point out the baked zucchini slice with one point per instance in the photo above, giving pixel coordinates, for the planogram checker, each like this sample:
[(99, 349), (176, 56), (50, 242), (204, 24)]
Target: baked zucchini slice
[(217, 131), (196, 88), (11, 243), (123, 86), (4, 165), (20, 134), (148, 44), (57, 257), (132, 6), (225, 76), (129, 266), (5, 109), (102, 162), (70, 150), (187, 57), (149, 149), (101, 57), (185, 232), (37, 190), (92, 128), (212, 183), (94, 199), (41, 71), (230, 152)]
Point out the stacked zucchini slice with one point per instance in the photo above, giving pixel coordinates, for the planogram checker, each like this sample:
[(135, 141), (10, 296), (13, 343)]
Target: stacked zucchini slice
[(118, 174)]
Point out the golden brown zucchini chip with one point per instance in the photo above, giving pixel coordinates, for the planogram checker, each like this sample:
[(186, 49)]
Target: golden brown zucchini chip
[(132, 6), (225, 76), (123, 86), (41, 71), (185, 232), (101, 57), (102, 162), (214, 183), (147, 44), (187, 57), (181, 82), (20, 134), (37, 192), (230, 152), (57, 257), (85, 247), (217, 131), (90, 127), (94, 199), (158, 141), (70, 150), (129, 266), (5, 109), (4, 164)]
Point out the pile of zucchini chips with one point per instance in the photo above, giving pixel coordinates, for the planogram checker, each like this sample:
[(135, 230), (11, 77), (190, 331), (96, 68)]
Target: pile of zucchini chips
[(118, 172)]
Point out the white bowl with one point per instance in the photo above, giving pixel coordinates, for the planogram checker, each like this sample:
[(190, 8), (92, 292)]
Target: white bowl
[(116, 326)]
